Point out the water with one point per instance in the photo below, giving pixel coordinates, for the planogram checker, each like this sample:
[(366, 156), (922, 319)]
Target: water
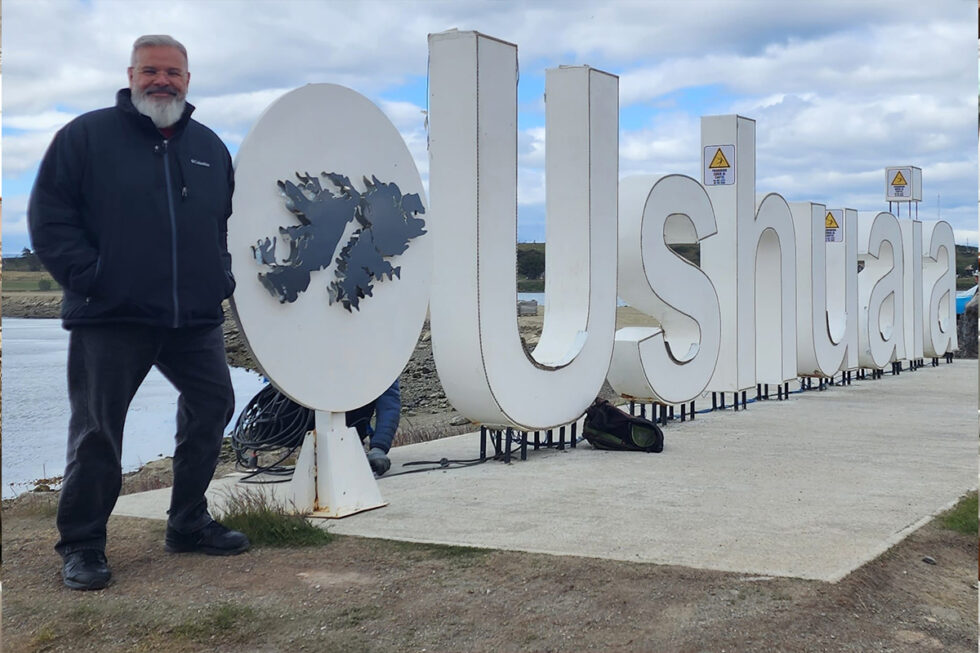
[(35, 406), (539, 298)]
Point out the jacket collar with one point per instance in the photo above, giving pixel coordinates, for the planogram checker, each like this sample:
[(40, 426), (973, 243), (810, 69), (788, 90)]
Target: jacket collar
[(124, 102)]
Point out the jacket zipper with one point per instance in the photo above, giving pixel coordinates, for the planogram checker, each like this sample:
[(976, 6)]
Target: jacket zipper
[(173, 228)]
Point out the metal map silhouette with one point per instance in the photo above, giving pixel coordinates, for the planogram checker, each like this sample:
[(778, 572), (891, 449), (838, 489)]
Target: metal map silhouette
[(386, 224)]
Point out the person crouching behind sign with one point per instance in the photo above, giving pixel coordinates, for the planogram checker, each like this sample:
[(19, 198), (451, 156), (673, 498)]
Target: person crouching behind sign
[(386, 410)]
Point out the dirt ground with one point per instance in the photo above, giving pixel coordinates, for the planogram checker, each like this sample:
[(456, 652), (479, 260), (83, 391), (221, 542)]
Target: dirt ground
[(358, 594)]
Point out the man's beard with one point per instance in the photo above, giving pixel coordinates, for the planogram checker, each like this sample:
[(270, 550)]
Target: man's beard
[(162, 113)]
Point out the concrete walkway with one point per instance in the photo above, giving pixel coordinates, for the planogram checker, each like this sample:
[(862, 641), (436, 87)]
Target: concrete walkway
[(811, 487)]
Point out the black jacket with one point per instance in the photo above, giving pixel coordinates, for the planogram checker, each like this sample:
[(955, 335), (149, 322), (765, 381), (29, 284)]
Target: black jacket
[(133, 225)]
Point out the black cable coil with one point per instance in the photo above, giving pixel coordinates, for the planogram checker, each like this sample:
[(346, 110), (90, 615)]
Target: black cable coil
[(270, 423)]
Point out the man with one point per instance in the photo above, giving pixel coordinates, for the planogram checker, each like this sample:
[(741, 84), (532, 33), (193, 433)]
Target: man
[(129, 214), (386, 410)]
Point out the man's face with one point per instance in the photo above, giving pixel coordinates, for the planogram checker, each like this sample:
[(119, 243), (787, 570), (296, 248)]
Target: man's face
[(160, 74)]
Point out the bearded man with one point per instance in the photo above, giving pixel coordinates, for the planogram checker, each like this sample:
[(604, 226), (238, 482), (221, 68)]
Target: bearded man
[(129, 214)]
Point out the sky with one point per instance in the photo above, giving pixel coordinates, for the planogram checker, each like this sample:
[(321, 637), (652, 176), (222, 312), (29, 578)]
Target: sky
[(839, 90)]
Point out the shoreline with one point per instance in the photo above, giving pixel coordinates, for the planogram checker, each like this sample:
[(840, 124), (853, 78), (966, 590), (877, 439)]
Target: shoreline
[(426, 413), (424, 403)]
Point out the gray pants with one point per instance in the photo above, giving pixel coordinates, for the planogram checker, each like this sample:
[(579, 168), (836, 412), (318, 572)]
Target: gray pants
[(106, 365)]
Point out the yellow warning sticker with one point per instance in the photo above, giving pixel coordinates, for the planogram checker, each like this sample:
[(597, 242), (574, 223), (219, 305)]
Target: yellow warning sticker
[(833, 222), (719, 165), (719, 160), (899, 179)]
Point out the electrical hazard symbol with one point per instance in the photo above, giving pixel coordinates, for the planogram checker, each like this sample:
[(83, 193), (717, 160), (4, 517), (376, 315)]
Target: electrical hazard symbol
[(719, 169), (833, 223), (719, 161), (902, 184)]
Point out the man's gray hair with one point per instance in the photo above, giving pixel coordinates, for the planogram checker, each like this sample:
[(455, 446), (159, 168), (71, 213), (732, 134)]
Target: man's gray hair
[(156, 40)]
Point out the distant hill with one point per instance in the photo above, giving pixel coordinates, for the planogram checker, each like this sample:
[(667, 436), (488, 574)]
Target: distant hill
[(966, 255), (966, 259), (531, 258)]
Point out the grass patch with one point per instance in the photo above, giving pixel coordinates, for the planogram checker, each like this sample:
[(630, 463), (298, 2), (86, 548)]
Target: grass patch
[(32, 504), (267, 523), (44, 637), (355, 615), (962, 517), (530, 285), (214, 620), (442, 551), (27, 281)]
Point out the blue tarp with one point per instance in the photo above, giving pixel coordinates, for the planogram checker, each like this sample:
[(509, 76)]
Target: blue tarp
[(962, 299)]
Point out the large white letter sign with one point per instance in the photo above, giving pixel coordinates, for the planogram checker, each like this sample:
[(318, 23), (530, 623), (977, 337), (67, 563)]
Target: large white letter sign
[(753, 250), (880, 290), (912, 287), (842, 286), (774, 288), (939, 289), (329, 247), (826, 274), (483, 366), (674, 362), (731, 187)]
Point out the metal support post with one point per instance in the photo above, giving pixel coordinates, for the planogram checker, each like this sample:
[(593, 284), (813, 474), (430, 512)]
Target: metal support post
[(332, 477)]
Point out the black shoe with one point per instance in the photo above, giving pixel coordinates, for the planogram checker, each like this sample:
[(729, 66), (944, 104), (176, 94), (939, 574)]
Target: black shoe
[(86, 570), (378, 460), (214, 540)]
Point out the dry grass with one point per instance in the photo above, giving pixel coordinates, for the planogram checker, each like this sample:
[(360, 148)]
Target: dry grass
[(267, 523)]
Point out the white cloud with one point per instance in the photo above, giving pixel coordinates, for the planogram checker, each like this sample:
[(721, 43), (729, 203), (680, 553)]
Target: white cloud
[(838, 89), (965, 237), (671, 144), (236, 110), (46, 120), (22, 152), (15, 219), (530, 147), (406, 116)]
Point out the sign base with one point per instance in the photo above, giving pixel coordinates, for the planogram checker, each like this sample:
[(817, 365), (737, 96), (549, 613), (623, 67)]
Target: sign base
[(332, 478)]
